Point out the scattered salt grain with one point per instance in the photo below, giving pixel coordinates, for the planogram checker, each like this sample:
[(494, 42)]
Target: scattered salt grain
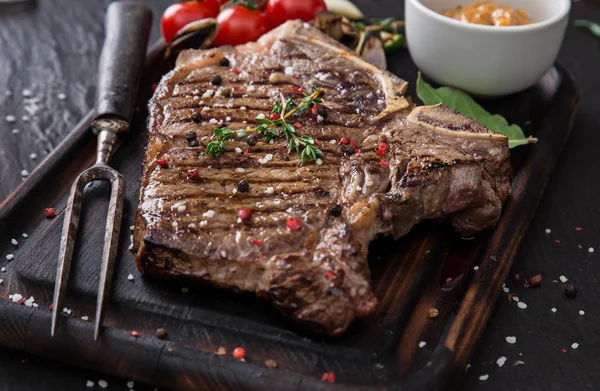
[(26, 93), (332, 141), (24, 235), (476, 268), (89, 384), (591, 249), (203, 223), (85, 318), (243, 108), (511, 340), (29, 302), (319, 162), (103, 383), (521, 305), (240, 169), (501, 361), (3, 269), (10, 118), (260, 116), (289, 71), (15, 131), (208, 93), (14, 242), (205, 108), (505, 289), (130, 277), (24, 173), (238, 150), (223, 254), (130, 384), (16, 298), (575, 345), (10, 257), (553, 310), (270, 190), (62, 96), (213, 121), (422, 344), (209, 213), (484, 377), (25, 118), (548, 230), (1, 281), (563, 279), (581, 312), (228, 118), (33, 156)]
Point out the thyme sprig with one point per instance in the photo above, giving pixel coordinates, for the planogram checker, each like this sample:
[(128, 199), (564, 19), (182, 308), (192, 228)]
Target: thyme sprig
[(273, 128)]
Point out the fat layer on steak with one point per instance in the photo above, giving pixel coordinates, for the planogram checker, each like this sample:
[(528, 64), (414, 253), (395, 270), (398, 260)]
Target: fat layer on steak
[(437, 164)]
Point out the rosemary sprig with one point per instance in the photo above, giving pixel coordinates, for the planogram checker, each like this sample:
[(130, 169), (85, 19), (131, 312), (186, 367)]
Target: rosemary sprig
[(271, 129)]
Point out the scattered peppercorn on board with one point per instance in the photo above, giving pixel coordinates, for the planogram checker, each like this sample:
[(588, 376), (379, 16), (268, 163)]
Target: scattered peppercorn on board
[(435, 290)]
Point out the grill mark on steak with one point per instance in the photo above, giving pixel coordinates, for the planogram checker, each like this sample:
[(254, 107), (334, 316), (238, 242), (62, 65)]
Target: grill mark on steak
[(438, 164)]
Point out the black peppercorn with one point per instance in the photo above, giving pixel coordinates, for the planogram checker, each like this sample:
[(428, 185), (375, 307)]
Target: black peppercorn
[(252, 140), (224, 62), (197, 117), (286, 158), (570, 290), (349, 151), (216, 80), (161, 333), (191, 136), (243, 186), (322, 111), (336, 210)]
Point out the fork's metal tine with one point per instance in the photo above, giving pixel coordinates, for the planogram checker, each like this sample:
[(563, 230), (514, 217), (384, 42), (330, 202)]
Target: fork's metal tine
[(111, 241), (67, 246)]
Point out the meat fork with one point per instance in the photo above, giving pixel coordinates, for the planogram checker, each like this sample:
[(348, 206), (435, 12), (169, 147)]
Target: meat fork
[(127, 29)]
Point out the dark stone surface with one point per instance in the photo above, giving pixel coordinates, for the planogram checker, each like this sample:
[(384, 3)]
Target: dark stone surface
[(51, 47)]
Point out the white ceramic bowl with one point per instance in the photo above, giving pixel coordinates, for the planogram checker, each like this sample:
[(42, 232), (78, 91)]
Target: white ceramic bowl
[(485, 60)]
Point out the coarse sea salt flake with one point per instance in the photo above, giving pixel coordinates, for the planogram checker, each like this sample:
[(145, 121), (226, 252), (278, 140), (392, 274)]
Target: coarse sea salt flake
[(548, 230), (484, 377), (223, 254), (238, 150), (332, 141), (130, 277), (422, 344), (505, 289), (89, 384), (319, 162), (260, 116), (521, 305), (228, 118), (575, 345), (209, 213), (14, 242), (563, 279), (289, 71), (511, 340), (10, 257), (3, 269), (270, 190), (240, 169), (130, 384), (62, 96), (501, 361), (10, 118), (581, 312), (33, 156), (26, 93), (103, 383), (29, 302), (553, 309), (24, 173), (16, 298), (15, 131), (476, 268), (591, 249)]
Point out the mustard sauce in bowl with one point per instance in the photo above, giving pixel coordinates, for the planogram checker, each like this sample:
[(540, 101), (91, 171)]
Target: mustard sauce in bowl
[(489, 14)]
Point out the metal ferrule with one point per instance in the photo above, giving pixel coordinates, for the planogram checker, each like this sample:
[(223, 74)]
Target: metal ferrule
[(108, 131)]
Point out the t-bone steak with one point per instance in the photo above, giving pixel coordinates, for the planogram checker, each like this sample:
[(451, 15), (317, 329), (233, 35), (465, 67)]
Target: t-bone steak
[(387, 164)]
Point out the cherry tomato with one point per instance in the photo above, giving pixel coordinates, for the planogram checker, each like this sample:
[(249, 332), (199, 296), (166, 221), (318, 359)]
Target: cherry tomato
[(180, 14), (238, 25), (280, 11)]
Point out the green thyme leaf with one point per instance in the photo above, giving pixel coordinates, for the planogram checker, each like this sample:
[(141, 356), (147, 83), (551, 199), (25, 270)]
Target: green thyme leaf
[(588, 24), (277, 109), (464, 104), (263, 121)]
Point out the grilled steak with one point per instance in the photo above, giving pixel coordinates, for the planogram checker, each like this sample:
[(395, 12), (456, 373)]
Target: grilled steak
[(386, 166)]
